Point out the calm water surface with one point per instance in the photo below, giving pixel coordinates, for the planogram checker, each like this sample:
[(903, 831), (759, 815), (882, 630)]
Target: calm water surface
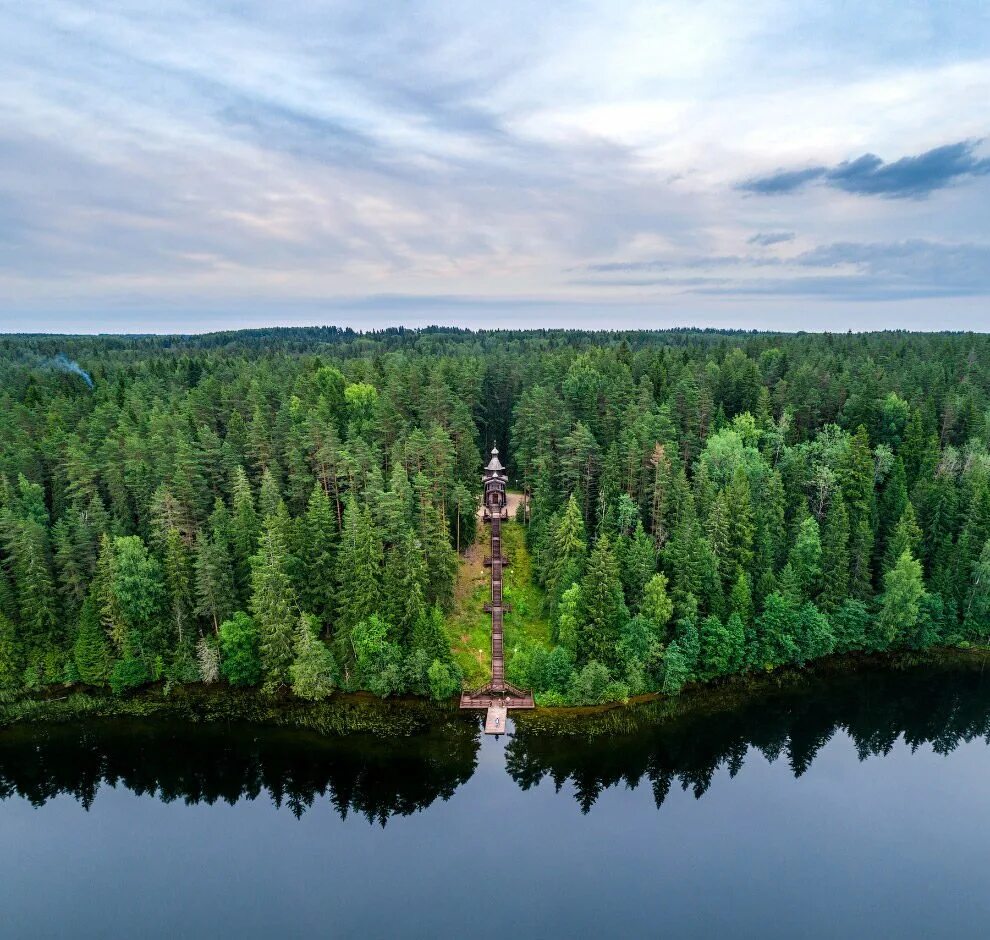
[(857, 808)]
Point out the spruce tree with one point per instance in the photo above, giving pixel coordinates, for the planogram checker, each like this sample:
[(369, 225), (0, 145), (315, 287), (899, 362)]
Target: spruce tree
[(90, 651), (274, 606), (243, 533), (900, 605), (11, 660), (214, 579), (835, 555), (313, 671), (604, 610), (806, 558), (906, 537), (358, 574), (319, 537)]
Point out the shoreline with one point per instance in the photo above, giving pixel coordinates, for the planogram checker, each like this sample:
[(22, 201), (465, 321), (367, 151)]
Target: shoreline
[(363, 713)]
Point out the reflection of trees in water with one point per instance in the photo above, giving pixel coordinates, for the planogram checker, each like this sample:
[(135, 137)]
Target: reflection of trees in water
[(381, 778), (940, 709), (209, 763)]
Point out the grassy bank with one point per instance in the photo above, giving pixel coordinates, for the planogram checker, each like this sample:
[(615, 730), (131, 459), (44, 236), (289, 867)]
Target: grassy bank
[(737, 691), (362, 713), (338, 715)]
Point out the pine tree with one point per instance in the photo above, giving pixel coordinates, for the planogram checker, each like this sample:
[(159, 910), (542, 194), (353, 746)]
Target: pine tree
[(901, 601), (358, 576), (656, 605), (70, 562), (274, 606), (906, 537), (851, 626), (568, 548), (639, 564), (890, 509), (580, 461), (857, 479), (716, 650), (835, 555), (403, 592), (243, 533), (604, 610), (775, 644), (90, 650), (318, 542), (439, 558), (313, 671), (741, 599), (38, 608), (139, 600), (179, 586), (806, 558), (11, 660), (214, 575), (977, 610), (812, 633), (568, 626)]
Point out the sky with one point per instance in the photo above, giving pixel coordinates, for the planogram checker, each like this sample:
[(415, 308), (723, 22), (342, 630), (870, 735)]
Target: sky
[(184, 167)]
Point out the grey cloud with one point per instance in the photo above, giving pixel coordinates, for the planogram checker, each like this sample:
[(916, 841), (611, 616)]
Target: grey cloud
[(781, 181), (876, 271), (868, 175), (960, 267), (676, 263), (765, 239)]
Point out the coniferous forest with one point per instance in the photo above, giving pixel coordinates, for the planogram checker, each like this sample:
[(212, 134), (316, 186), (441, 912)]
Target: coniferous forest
[(285, 509)]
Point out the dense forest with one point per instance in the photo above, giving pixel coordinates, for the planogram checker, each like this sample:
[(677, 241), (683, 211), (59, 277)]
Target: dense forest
[(284, 508)]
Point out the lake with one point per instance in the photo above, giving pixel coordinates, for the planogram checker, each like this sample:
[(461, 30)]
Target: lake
[(855, 806)]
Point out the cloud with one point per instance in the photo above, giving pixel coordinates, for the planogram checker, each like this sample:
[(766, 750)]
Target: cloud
[(865, 271), (211, 156), (781, 181), (765, 239), (869, 175)]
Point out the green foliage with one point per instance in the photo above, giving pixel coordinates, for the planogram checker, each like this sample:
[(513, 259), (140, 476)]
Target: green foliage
[(10, 659), (603, 607), (681, 477), (444, 680), (313, 671), (240, 656), (851, 626), (378, 661), (273, 605), (901, 603), (90, 651), (127, 674), (593, 685)]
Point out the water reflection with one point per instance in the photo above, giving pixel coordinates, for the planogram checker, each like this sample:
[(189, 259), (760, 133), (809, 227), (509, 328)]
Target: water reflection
[(939, 708), (376, 778), (383, 778)]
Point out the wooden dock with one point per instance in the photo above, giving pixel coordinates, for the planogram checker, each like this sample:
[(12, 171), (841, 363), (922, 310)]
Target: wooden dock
[(495, 719)]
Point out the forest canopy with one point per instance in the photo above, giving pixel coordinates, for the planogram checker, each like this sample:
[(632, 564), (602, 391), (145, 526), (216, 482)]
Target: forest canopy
[(284, 508)]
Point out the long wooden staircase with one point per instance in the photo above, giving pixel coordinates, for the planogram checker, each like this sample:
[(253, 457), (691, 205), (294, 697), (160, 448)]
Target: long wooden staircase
[(497, 696)]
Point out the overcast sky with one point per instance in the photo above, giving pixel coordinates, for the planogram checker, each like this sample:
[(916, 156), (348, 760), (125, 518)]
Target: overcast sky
[(184, 167)]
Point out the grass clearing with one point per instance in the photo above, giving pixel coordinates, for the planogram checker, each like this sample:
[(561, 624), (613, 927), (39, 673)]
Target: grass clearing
[(469, 627)]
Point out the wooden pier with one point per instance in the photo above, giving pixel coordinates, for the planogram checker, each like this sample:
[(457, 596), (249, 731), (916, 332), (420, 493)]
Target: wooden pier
[(497, 696)]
